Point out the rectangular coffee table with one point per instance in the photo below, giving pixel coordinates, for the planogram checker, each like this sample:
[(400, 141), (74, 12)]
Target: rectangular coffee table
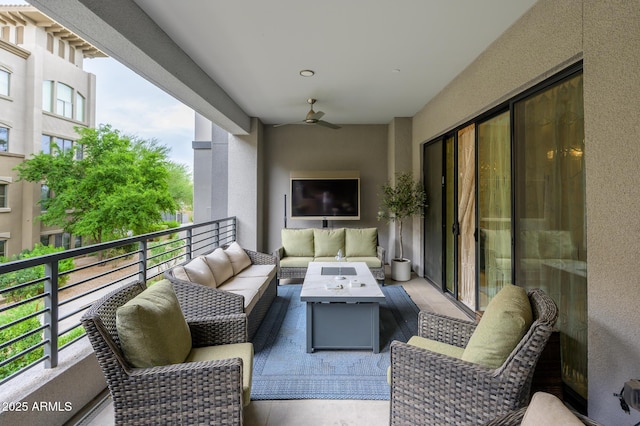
[(340, 313)]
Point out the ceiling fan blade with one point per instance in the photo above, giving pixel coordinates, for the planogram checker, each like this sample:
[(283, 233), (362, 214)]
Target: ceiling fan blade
[(286, 124), (317, 116), (327, 124)]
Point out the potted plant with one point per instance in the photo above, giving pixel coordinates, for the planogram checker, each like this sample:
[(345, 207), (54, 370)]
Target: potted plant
[(402, 200)]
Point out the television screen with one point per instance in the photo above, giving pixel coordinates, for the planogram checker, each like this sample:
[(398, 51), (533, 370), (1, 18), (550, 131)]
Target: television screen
[(325, 199)]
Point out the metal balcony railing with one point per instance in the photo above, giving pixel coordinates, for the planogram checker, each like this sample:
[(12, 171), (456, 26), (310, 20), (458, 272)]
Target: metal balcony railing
[(41, 302)]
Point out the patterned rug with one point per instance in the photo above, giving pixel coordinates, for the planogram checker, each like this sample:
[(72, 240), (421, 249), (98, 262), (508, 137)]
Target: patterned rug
[(284, 370)]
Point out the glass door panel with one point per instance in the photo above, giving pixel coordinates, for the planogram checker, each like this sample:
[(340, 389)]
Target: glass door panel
[(494, 206), (466, 217), (450, 215), (433, 227), (550, 250)]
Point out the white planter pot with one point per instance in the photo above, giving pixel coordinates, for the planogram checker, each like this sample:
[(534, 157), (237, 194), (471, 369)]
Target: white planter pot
[(400, 269)]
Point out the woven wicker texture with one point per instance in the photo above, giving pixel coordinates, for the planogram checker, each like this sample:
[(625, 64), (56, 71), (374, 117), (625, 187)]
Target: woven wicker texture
[(197, 301), (182, 394), (433, 389)]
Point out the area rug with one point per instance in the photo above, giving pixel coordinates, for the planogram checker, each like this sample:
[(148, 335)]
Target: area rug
[(284, 370)]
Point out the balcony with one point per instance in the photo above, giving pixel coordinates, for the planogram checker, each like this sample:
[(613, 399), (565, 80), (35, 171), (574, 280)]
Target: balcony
[(47, 366)]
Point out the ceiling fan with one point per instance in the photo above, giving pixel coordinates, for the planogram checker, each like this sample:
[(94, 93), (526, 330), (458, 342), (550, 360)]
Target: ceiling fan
[(312, 118)]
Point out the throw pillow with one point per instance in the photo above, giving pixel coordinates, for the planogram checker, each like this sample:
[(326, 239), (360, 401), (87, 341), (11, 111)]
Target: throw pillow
[(547, 410), (361, 242), (220, 265), (298, 242), (505, 321), (239, 258), (199, 272), (152, 328), (327, 242)]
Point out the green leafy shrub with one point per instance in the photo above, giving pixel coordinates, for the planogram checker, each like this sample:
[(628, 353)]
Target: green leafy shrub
[(15, 331)]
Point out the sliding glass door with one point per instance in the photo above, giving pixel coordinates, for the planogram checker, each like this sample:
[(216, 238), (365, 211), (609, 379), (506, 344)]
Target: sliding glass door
[(433, 213)]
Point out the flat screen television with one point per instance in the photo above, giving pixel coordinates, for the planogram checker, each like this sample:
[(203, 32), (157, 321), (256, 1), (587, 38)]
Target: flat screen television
[(325, 198)]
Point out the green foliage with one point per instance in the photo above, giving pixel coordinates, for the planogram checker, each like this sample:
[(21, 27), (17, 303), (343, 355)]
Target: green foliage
[(120, 185), (34, 273), (401, 201), (160, 253), (180, 185)]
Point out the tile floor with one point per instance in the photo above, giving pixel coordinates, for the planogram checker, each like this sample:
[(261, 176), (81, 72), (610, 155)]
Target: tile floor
[(316, 412)]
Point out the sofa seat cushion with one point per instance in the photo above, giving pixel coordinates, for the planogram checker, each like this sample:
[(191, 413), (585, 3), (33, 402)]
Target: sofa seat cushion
[(152, 328), (298, 242), (251, 297), (220, 265), (327, 259), (199, 272), (239, 258), (546, 409), (371, 261), (327, 242), (235, 350), (506, 320), (246, 283), (268, 271), (361, 242), (295, 262)]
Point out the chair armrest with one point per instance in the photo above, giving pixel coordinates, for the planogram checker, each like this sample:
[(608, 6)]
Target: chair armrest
[(218, 330), (258, 258), (380, 253), (279, 253), (453, 331)]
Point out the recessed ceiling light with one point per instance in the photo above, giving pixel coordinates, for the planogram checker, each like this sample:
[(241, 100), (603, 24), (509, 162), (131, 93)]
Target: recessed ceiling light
[(396, 70), (307, 73)]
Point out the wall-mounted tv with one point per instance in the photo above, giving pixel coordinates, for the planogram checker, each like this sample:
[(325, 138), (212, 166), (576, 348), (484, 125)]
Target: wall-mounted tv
[(325, 195)]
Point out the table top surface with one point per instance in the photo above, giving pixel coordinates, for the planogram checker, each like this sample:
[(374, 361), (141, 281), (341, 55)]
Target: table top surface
[(359, 284)]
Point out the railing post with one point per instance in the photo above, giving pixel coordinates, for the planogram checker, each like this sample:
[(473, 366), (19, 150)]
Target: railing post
[(51, 314), (142, 265), (216, 235), (235, 236), (189, 243)]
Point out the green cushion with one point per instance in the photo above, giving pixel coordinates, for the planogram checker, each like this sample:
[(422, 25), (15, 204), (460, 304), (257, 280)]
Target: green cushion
[(433, 346), (152, 328), (235, 350), (372, 262), (298, 242), (295, 262), (505, 321), (361, 242), (327, 242)]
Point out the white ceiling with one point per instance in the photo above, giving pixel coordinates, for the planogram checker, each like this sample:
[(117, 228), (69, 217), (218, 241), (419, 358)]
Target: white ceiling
[(374, 60)]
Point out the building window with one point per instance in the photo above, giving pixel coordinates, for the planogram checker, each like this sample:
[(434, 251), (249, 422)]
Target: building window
[(50, 43), (44, 240), (4, 82), (62, 145), (64, 100), (4, 190), (3, 248), (45, 196), (47, 95), (4, 139), (80, 102), (78, 241), (61, 48)]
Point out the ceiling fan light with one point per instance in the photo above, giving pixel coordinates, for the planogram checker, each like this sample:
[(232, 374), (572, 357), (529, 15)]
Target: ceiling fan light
[(307, 73)]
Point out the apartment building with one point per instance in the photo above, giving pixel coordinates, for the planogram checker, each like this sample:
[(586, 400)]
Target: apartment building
[(44, 95)]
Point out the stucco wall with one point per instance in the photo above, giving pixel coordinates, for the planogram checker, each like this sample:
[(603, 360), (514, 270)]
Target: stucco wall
[(552, 35), (302, 148)]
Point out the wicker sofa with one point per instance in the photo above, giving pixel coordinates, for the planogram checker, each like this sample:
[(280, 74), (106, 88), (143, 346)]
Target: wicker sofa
[(225, 281), (301, 246)]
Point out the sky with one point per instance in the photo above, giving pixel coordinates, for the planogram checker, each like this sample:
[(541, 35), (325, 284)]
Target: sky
[(134, 106)]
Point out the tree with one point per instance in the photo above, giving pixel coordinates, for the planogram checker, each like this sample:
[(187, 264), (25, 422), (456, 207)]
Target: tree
[(180, 185), (118, 185)]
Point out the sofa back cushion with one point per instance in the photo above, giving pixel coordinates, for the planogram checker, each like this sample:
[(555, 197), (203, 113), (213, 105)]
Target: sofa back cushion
[(361, 242), (298, 242), (199, 272), (504, 323), (239, 258), (327, 242), (220, 265), (152, 328)]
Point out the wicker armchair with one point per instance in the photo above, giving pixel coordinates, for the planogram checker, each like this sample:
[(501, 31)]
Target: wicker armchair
[(207, 392), (428, 388), (515, 419)]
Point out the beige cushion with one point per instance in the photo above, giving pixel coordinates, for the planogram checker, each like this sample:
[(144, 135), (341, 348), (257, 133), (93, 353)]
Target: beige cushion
[(327, 242), (298, 242), (199, 272), (268, 271), (433, 346), (246, 283), (235, 350), (180, 273), (547, 410), (251, 297), (238, 257), (361, 242), (220, 265), (505, 321), (152, 328)]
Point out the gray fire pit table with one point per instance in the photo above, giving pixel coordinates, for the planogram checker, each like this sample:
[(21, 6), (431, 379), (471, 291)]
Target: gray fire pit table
[(343, 301)]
